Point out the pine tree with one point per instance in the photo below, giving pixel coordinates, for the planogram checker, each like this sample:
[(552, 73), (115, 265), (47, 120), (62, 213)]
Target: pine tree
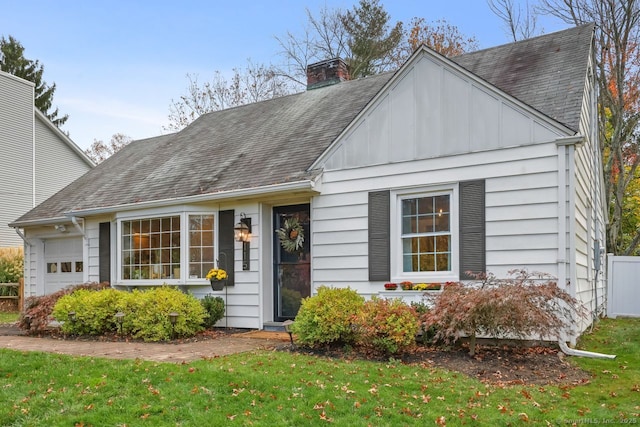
[(12, 61)]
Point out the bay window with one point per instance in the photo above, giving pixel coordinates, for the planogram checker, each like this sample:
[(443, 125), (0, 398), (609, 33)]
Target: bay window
[(156, 248)]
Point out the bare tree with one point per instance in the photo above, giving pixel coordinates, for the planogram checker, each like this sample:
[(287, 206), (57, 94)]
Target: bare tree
[(254, 83), (618, 67), (99, 151), (440, 36), (520, 20), (324, 37)]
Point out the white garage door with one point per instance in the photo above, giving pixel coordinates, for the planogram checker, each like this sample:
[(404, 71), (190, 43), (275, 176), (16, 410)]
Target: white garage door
[(64, 265)]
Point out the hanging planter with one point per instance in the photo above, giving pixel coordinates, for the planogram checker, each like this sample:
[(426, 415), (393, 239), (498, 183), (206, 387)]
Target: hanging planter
[(218, 278), (291, 235)]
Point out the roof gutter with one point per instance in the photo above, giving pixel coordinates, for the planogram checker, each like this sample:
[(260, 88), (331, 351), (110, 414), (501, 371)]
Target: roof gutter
[(306, 185), (577, 140)]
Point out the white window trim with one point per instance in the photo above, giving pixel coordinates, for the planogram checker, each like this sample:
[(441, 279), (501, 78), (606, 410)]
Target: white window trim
[(184, 243), (397, 273)]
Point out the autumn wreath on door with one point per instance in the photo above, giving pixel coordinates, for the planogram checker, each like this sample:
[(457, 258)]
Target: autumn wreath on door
[(291, 235)]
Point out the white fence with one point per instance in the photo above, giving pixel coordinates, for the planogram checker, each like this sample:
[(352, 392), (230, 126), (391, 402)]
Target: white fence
[(623, 295)]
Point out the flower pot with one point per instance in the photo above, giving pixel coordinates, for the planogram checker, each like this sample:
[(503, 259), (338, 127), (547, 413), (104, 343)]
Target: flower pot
[(217, 285)]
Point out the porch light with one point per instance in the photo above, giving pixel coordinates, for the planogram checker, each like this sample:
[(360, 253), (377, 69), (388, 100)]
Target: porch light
[(242, 233), (242, 230)]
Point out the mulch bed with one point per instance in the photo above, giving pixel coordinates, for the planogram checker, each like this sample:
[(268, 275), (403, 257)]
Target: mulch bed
[(501, 365)]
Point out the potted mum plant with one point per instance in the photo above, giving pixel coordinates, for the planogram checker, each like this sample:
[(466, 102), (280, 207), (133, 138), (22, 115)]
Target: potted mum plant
[(218, 278), (390, 286), (406, 286)]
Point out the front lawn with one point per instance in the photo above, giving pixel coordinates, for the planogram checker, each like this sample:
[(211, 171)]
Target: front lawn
[(8, 317), (282, 388)]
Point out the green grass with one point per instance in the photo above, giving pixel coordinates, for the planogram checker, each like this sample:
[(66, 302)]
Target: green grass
[(280, 389), (8, 317)]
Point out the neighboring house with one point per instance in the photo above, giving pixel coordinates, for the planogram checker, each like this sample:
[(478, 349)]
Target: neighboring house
[(37, 159), (484, 162)]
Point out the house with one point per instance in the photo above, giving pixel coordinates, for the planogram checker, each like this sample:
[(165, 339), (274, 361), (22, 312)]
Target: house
[(484, 162), (37, 159)]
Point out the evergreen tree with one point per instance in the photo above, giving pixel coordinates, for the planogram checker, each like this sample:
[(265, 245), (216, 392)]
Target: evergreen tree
[(370, 40), (12, 61)]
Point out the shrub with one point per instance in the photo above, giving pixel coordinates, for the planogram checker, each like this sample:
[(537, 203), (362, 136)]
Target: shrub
[(147, 314), (94, 311), (427, 331), (519, 307), (11, 265), (40, 308), (387, 326), (214, 306), (328, 316)]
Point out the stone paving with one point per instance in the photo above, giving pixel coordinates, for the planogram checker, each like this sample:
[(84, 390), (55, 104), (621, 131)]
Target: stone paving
[(13, 339)]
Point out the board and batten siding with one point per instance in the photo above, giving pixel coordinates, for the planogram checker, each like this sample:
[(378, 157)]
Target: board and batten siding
[(16, 160), (431, 110), (57, 164), (521, 210)]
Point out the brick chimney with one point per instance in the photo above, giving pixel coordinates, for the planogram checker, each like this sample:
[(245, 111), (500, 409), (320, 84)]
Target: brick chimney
[(325, 73)]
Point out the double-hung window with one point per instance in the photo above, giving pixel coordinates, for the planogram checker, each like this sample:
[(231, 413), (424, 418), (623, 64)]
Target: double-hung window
[(427, 234), (157, 248)]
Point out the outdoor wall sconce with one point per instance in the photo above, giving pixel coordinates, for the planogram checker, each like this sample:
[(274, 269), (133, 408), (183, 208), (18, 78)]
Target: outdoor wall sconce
[(242, 233)]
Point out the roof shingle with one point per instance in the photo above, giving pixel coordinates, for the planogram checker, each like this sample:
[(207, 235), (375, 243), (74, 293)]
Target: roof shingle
[(276, 141)]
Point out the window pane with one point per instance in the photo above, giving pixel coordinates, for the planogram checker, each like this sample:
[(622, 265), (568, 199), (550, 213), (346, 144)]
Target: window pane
[(79, 267), (443, 262), (201, 245), (442, 222), (426, 233), (146, 243)]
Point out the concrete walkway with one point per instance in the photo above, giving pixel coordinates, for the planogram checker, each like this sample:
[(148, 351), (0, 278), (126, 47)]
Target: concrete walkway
[(165, 352)]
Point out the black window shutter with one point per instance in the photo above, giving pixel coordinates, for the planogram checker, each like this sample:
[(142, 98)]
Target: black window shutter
[(226, 244), (379, 238), (472, 228), (104, 252)]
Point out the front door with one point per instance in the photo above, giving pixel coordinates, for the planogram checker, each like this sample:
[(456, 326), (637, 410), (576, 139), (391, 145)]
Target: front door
[(292, 259)]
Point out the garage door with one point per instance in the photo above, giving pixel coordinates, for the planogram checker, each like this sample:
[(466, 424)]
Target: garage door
[(64, 265)]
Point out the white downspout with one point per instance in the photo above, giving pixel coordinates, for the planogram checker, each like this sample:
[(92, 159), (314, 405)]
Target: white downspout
[(562, 217), (573, 352), (27, 262)]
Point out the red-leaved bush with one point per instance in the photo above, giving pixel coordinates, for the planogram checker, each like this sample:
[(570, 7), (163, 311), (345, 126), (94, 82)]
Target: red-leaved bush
[(521, 306), (39, 309)]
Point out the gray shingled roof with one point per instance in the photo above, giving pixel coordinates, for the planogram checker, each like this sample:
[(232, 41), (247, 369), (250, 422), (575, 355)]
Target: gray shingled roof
[(276, 141), (547, 72)]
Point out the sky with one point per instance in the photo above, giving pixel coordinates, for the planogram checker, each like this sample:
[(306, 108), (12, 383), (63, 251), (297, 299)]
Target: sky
[(118, 64)]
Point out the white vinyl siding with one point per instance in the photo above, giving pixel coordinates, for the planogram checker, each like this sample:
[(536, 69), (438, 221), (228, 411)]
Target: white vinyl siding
[(521, 210), (56, 163), (16, 160)]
